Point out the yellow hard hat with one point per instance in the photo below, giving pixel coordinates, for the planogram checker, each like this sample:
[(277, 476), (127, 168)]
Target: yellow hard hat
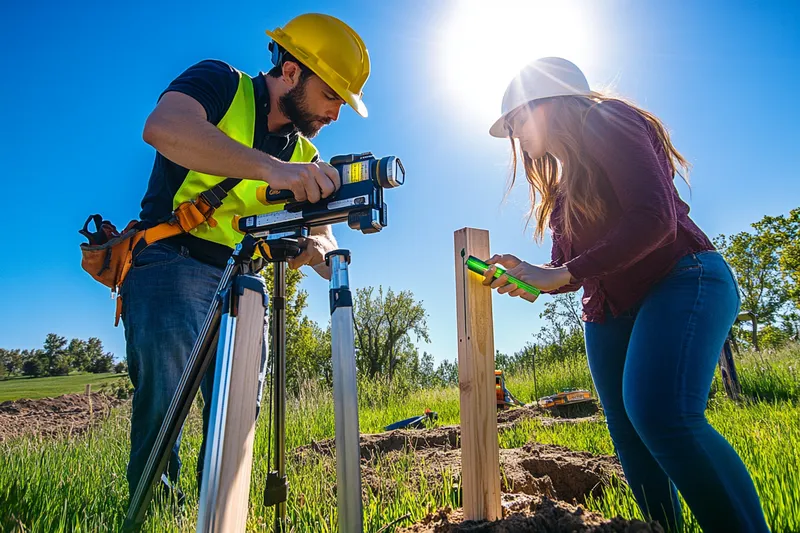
[(332, 50)]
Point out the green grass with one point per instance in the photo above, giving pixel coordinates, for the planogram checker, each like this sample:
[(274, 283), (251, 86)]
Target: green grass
[(79, 484), (763, 434), (21, 387)]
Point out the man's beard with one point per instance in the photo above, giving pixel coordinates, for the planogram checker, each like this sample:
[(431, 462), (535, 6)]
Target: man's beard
[(293, 106)]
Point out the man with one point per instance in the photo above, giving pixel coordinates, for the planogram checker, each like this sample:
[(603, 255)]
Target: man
[(214, 122)]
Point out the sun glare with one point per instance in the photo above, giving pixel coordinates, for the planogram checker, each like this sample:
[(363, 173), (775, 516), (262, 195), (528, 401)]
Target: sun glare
[(485, 43)]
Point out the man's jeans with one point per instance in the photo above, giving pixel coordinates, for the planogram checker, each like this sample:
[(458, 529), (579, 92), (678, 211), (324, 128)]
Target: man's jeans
[(165, 299), (653, 368)]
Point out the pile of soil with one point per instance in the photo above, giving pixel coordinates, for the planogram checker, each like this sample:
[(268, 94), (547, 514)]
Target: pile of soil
[(543, 485), (444, 437), (529, 514), (535, 469), (69, 414)]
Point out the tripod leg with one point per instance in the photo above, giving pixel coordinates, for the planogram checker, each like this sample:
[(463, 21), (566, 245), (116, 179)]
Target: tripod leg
[(279, 377), (727, 367), (345, 397), (224, 495), (199, 360)]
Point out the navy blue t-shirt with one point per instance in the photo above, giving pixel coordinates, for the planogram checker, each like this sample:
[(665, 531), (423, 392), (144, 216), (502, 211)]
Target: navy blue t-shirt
[(212, 83)]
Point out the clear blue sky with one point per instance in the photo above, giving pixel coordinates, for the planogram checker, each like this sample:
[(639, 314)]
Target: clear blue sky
[(79, 79)]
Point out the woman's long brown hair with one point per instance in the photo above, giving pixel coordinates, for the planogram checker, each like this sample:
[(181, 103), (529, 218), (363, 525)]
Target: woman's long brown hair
[(577, 177)]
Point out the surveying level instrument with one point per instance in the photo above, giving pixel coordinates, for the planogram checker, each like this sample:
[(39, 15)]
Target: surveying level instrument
[(480, 267), (234, 339), (359, 200)]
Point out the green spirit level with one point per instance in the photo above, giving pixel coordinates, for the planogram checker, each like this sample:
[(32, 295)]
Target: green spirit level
[(479, 267)]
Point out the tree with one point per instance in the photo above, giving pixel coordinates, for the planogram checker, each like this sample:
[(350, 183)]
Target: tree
[(78, 355), (121, 367), (562, 335), (94, 355), (57, 363), (308, 346), (98, 361), (783, 234), (308, 355), (33, 363), (791, 325), (11, 360), (101, 364), (447, 373), (426, 371), (565, 310), (503, 361), (384, 324), (755, 262)]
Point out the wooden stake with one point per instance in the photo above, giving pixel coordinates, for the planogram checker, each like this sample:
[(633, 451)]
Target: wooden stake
[(480, 454), (89, 397)]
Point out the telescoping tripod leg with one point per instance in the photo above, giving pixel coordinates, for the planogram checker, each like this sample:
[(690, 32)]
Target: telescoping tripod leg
[(225, 490), (345, 396), (202, 354), (275, 491)]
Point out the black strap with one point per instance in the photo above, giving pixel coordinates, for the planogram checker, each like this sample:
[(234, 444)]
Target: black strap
[(216, 194)]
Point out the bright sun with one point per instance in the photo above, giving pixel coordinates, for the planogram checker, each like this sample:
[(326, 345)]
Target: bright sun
[(486, 42)]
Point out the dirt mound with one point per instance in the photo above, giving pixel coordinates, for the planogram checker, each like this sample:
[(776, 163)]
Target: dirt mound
[(526, 514), (69, 414), (572, 475), (535, 469), (399, 440), (445, 437), (543, 484)]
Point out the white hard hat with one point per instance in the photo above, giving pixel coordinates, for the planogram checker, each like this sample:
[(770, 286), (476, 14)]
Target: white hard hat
[(543, 78)]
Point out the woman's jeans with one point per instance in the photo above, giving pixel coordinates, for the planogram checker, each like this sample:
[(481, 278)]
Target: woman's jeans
[(165, 299), (652, 367)]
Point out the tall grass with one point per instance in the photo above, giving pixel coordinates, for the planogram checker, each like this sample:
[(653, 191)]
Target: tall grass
[(765, 435), (79, 484), (770, 375)]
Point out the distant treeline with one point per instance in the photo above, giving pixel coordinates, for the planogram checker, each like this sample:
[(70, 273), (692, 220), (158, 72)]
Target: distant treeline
[(57, 357)]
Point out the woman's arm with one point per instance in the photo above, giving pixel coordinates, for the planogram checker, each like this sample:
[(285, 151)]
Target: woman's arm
[(618, 139), (557, 260)]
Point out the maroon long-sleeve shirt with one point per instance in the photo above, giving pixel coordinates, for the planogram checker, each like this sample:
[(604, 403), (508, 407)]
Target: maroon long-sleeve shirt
[(646, 228)]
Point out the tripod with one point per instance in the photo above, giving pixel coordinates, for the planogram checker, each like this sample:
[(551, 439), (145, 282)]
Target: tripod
[(234, 335)]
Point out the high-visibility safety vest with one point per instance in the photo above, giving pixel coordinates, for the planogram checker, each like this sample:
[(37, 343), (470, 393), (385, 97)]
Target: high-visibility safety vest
[(238, 124)]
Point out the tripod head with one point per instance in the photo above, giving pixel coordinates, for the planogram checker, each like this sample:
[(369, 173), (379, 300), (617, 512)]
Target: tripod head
[(272, 247)]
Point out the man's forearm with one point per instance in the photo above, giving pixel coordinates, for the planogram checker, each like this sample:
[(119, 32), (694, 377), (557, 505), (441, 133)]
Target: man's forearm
[(326, 232), (188, 139)]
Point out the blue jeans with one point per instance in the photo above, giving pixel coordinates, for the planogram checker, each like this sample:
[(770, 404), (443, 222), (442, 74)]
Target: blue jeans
[(652, 368), (165, 299)]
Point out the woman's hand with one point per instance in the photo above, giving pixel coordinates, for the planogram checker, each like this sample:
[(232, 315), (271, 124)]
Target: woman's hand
[(543, 278)]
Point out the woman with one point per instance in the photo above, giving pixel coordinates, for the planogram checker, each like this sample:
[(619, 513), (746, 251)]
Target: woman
[(658, 299)]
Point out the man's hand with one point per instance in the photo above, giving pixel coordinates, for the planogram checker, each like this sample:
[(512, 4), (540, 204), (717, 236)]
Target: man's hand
[(318, 243), (307, 181)]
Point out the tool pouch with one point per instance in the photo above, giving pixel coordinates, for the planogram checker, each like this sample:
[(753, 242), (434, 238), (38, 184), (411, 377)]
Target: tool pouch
[(109, 254), (105, 255)]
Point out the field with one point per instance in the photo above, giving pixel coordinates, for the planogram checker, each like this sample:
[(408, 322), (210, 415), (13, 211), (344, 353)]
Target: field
[(78, 484), (32, 388)]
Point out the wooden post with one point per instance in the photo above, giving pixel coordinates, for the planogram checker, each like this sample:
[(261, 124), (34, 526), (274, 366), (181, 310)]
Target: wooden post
[(480, 454), (89, 397)]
